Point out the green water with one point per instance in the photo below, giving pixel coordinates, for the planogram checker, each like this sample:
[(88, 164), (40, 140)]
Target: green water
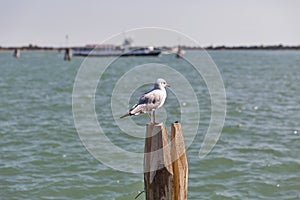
[(256, 157)]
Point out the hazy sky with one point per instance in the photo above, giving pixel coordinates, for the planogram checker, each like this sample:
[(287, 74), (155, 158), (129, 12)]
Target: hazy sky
[(210, 22)]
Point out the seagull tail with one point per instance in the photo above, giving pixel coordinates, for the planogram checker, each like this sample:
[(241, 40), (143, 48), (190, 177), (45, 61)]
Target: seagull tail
[(126, 115)]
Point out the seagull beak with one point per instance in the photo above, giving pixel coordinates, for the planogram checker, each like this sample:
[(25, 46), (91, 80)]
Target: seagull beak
[(167, 85)]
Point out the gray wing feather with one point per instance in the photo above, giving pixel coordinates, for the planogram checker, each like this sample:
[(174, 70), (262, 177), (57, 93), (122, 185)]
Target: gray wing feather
[(149, 101)]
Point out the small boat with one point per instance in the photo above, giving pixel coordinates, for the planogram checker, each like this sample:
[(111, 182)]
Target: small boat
[(178, 51), (112, 50)]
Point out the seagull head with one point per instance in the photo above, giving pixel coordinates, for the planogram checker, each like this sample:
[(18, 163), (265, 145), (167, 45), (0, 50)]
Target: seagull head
[(161, 83)]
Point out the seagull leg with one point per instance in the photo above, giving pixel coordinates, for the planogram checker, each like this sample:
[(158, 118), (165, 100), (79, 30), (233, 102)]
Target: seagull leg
[(150, 115), (154, 117)]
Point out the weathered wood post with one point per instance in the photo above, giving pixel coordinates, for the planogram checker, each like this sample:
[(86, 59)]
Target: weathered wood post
[(165, 172), (68, 54), (17, 53), (158, 175), (180, 164)]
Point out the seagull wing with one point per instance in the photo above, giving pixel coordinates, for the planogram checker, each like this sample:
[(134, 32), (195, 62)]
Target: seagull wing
[(148, 102)]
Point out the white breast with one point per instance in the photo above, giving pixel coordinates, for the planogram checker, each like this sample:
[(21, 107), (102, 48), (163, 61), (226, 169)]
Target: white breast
[(163, 97)]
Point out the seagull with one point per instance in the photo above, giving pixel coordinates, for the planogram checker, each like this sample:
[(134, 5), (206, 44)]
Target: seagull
[(150, 101)]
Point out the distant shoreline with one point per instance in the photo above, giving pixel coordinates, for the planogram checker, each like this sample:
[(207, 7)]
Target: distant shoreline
[(254, 47), (221, 47)]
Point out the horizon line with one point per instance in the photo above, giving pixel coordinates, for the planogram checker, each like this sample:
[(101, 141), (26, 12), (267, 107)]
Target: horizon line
[(30, 45)]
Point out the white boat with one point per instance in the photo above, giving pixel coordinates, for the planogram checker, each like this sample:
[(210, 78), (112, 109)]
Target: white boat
[(112, 50)]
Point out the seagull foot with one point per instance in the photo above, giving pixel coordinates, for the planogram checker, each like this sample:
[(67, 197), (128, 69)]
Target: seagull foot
[(156, 123)]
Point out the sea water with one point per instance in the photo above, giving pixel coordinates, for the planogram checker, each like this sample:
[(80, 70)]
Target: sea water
[(256, 157)]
